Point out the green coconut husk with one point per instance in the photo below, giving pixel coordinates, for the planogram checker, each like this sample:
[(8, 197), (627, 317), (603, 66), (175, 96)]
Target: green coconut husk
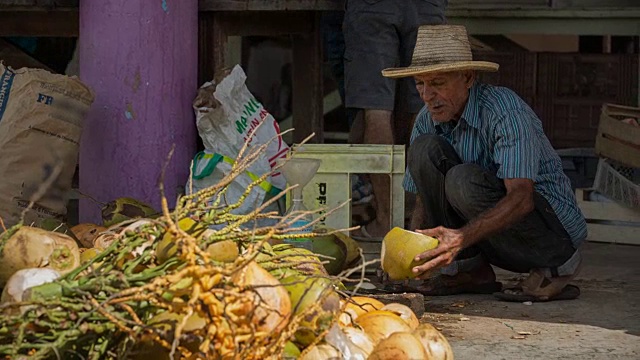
[(31, 247)]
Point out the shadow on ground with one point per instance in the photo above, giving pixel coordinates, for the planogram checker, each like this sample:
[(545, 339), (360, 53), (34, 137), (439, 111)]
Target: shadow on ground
[(603, 323)]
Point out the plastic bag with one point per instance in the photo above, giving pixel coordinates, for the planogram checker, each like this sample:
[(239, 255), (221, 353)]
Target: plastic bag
[(226, 115)]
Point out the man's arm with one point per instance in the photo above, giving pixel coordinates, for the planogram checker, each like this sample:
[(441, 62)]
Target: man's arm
[(517, 153), (512, 208)]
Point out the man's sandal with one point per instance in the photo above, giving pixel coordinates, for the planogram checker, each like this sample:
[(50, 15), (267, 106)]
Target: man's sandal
[(516, 294), (539, 288)]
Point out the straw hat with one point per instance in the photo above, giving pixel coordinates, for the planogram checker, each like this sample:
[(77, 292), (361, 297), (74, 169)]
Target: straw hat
[(441, 48)]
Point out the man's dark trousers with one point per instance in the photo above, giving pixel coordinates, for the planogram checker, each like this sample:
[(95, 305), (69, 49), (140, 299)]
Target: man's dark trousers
[(454, 193)]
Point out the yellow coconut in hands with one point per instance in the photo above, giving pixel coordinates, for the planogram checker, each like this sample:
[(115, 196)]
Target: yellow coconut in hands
[(399, 249)]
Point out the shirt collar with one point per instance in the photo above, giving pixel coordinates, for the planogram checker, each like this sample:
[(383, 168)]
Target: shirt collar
[(469, 115)]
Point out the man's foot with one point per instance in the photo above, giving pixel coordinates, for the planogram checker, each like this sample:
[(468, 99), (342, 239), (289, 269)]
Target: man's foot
[(569, 292), (537, 288), (479, 281)]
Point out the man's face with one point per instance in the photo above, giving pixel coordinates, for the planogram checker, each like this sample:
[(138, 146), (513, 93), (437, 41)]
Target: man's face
[(445, 93)]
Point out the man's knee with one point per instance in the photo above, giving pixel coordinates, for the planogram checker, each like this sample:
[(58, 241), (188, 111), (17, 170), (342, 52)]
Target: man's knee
[(425, 148), (470, 189), (460, 183)]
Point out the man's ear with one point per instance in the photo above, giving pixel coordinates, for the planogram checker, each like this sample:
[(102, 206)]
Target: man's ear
[(469, 78)]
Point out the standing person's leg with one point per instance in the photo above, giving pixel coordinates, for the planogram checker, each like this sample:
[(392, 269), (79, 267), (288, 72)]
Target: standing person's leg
[(408, 101), (372, 45), (356, 133), (334, 48), (378, 129), (381, 34)]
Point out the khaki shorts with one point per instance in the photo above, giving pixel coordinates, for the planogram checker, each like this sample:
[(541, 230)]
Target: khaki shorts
[(380, 34)]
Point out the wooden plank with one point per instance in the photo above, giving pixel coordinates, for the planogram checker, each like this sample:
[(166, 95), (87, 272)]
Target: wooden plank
[(626, 233), (220, 37), (239, 23), (271, 5), (617, 151), (338, 5), (206, 67), (307, 84), (498, 4), (593, 3), (63, 3), (13, 56), (588, 23), (614, 234), (597, 210), (11, 3), (38, 5), (621, 110), (566, 14), (620, 130), (212, 45), (59, 23)]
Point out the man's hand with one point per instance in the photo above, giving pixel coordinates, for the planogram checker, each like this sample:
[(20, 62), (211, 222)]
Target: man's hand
[(450, 243)]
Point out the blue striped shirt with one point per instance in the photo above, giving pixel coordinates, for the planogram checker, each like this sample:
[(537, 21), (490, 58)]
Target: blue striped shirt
[(500, 132)]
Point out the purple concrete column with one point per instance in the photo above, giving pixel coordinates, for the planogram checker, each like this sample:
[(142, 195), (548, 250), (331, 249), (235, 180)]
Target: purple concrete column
[(141, 59)]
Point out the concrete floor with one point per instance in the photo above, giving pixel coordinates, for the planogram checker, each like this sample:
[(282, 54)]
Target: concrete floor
[(604, 323)]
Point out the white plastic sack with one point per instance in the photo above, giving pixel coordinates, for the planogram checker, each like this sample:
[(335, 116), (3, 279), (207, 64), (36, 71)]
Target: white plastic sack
[(226, 115)]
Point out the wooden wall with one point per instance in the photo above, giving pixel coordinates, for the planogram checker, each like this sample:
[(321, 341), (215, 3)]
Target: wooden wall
[(567, 90)]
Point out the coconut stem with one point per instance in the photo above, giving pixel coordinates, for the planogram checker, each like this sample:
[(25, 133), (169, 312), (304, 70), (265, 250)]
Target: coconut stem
[(99, 309)]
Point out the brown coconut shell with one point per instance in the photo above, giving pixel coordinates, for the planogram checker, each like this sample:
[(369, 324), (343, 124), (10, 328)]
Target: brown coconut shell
[(87, 233)]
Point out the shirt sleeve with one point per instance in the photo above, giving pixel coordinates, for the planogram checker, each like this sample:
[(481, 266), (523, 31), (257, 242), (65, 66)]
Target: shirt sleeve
[(516, 151), (419, 128)]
